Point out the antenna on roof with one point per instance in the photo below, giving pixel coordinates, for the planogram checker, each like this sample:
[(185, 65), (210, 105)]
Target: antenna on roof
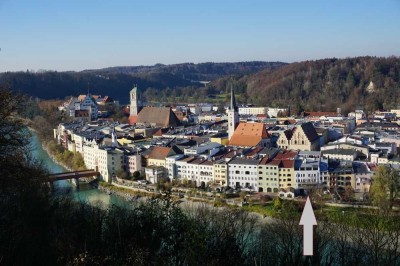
[(88, 92)]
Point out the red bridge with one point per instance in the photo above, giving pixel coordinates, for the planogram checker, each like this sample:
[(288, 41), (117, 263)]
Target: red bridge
[(74, 176)]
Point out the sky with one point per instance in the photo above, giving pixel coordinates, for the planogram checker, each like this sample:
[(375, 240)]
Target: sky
[(90, 34)]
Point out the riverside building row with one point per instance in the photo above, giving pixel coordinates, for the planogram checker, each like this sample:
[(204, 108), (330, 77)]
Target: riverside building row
[(318, 149)]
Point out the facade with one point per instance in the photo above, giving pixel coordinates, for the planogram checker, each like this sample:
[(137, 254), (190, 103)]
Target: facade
[(242, 173), (268, 176), (154, 174), (221, 172), (303, 137), (83, 107), (158, 155), (252, 110), (171, 167), (340, 154), (133, 163), (341, 176), (307, 173)]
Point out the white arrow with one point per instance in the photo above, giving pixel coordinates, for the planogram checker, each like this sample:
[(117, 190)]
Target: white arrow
[(308, 221)]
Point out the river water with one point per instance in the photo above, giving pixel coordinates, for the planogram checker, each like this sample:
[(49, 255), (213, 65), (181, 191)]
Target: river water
[(86, 193)]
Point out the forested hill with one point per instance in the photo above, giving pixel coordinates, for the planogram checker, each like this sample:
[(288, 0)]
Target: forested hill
[(117, 81), (190, 71), (368, 82)]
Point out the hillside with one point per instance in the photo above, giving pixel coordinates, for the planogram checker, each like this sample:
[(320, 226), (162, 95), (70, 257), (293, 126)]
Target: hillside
[(117, 81), (368, 82)]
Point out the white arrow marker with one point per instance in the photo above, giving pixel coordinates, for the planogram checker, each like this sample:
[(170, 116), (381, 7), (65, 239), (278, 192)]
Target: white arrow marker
[(308, 221)]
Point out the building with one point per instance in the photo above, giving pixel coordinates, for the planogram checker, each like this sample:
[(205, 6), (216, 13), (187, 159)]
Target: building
[(340, 154), (154, 174), (341, 176), (135, 103), (221, 172), (252, 110), (250, 134), (233, 115), (157, 155), (307, 173), (83, 108), (242, 173), (268, 176), (170, 164), (303, 137), (363, 177), (150, 116)]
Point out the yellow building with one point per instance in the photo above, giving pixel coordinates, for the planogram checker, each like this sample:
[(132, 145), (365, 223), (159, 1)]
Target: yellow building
[(221, 172), (268, 176), (158, 155)]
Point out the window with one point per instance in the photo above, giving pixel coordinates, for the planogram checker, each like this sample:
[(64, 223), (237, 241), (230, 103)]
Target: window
[(247, 172)]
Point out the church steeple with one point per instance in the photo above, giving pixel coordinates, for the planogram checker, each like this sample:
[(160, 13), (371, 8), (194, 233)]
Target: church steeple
[(135, 101), (233, 115), (233, 100)]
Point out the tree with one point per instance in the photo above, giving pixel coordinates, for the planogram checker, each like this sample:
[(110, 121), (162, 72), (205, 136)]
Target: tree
[(122, 174), (385, 187), (136, 175)]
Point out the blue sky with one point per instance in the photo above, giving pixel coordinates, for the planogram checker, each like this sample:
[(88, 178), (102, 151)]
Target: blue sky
[(87, 34)]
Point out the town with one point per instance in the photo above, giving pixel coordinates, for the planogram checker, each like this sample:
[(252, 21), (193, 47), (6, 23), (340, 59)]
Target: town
[(243, 148)]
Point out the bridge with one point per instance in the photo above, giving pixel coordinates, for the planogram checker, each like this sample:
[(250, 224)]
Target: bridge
[(74, 175)]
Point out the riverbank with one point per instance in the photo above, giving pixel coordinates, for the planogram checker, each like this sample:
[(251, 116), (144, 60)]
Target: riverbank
[(54, 159)]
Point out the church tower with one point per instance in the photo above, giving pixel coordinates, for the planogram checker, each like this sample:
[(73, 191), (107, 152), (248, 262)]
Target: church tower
[(135, 101), (233, 115)]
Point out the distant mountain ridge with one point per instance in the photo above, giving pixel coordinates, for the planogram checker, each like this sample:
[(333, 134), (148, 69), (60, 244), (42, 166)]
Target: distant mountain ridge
[(117, 81)]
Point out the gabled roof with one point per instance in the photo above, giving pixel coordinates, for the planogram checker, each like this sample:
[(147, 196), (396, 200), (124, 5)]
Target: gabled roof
[(158, 116), (288, 134), (309, 131), (159, 153), (248, 134)]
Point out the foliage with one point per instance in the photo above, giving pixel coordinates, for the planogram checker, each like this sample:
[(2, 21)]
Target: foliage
[(73, 160), (324, 85), (385, 187), (119, 80)]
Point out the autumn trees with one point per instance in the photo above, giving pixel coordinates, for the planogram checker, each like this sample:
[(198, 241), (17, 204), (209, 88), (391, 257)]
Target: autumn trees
[(385, 187)]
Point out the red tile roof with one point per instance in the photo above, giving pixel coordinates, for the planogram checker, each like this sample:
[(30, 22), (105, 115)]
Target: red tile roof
[(159, 153), (248, 134)]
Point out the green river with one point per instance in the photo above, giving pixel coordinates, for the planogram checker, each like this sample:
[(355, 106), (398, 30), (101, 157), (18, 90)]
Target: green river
[(86, 193)]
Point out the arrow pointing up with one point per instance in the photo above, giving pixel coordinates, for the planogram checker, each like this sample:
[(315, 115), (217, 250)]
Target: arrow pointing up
[(308, 220)]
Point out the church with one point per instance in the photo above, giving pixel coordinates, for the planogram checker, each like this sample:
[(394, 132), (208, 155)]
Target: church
[(150, 116), (245, 134)]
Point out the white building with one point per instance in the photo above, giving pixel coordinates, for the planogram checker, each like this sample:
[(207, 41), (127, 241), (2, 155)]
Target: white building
[(210, 147), (307, 173), (242, 173), (273, 112), (252, 110), (170, 164), (82, 107), (200, 170)]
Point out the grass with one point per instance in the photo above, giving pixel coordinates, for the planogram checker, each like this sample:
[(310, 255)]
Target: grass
[(265, 210)]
